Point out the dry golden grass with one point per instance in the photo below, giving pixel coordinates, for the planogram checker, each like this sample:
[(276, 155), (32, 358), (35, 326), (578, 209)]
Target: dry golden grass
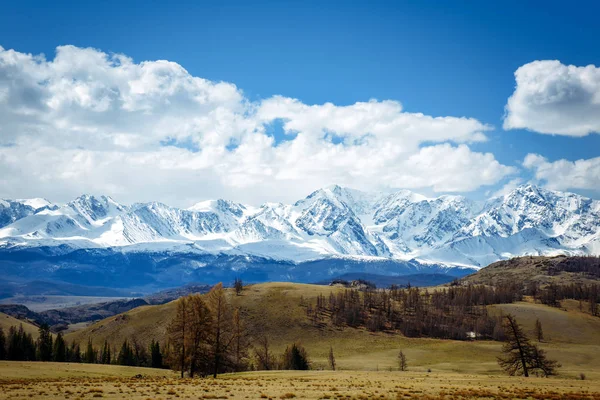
[(119, 383), (526, 269), (459, 370), (274, 308), (6, 321)]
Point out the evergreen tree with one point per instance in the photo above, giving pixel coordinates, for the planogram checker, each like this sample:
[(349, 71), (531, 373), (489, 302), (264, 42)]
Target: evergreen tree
[(20, 345), (44, 343), (155, 355), (238, 285), (90, 355), (2, 345), (74, 353), (126, 355), (295, 358), (59, 352), (105, 357)]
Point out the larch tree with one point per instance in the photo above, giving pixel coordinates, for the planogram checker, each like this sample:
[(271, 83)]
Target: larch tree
[(199, 325), (221, 333), (331, 359), (264, 358), (241, 342), (520, 356), (539, 333), (177, 334), (402, 361)]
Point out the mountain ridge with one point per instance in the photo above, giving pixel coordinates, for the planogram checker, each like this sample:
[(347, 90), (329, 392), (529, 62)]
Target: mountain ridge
[(332, 222)]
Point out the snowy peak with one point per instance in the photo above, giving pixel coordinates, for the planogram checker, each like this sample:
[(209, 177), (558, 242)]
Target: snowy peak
[(94, 209), (35, 203), (330, 222)]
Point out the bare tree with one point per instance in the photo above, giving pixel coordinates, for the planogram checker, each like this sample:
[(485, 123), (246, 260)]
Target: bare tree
[(539, 333), (241, 342), (402, 362), (331, 358), (265, 359)]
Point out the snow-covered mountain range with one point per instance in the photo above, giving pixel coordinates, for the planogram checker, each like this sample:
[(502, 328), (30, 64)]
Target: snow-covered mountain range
[(332, 222)]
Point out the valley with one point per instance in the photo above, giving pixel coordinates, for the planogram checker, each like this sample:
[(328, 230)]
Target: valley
[(366, 358)]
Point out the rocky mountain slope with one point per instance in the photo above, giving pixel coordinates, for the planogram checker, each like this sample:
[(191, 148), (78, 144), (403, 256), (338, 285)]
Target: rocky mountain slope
[(331, 222)]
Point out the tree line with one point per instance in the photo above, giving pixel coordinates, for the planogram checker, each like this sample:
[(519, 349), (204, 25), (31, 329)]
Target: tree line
[(18, 345), (456, 312), (553, 293)]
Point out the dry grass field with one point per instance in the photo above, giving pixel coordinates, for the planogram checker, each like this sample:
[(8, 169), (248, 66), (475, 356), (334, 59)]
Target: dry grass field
[(573, 337), (367, 362), (77, 381)]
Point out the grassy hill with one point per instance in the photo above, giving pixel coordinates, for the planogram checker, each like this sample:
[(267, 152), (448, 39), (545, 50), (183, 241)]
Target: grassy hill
[(276, 310), (543, 270), (6, 321)]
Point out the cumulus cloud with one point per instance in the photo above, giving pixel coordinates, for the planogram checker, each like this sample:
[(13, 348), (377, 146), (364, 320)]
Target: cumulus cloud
[(88, 121), (564, 174), (507, 187), (554, 98)]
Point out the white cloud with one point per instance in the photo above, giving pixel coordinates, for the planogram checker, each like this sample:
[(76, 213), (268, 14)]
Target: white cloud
[(506, 188), (554, 98), (564, 174), (87, 121)]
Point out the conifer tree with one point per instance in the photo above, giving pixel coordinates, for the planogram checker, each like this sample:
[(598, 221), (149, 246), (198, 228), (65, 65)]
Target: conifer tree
[(331, 359), (295, 358), (264, 358), (74, 353), (238, 285), (241, 342), (402, 361), (520, 356), (222, 335), (539, 333), (177, 330), (59, 352), (44, 343), (199, 325), (155, 355), (90, 354), (105, 356), (126, 355), (2, 344)]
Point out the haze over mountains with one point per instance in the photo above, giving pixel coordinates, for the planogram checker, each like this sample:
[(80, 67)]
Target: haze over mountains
[(332, 223)]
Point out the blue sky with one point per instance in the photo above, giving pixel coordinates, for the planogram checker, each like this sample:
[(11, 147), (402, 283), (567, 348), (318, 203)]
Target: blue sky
[(436, 58)]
